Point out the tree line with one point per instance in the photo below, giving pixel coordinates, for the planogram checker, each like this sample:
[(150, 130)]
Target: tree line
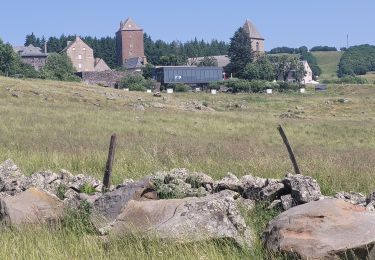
[(357, 60)]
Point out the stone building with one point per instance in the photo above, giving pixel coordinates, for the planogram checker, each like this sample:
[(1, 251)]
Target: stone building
[(100, 65), (130, 44), (82, 56), (32, 55), (257, 41)]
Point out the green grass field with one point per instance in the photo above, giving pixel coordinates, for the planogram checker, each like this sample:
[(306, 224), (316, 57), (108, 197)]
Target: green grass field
[(55, 125), (328, 62)]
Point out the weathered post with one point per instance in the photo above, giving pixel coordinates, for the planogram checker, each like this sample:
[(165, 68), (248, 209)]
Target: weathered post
[(108, 167), (290, 151)]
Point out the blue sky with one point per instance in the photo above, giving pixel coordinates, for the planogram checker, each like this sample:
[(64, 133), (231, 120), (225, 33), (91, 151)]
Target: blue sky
[(283, 23)]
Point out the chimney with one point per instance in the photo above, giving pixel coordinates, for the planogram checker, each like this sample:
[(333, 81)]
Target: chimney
[(45, 47)]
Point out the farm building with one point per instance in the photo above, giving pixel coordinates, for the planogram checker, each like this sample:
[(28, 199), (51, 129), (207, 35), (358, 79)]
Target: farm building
[(187, 75), (32, 55)]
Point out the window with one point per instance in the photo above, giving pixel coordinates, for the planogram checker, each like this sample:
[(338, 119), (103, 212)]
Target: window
[(131, 45), (74, 48), (84, 49), (80, 57), (257, 46), (80, 65)]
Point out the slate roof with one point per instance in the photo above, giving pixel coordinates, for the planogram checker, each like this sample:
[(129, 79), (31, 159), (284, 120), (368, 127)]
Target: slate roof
[(29, 51), (129, 25), (252, 30)]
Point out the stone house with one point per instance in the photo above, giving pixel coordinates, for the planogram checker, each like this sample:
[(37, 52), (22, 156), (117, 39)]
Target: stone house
[(32, 55), (82, 56), (100, 65), (130, 44)]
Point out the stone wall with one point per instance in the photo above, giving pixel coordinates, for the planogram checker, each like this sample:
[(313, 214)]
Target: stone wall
[(37, 62), (103, 78)]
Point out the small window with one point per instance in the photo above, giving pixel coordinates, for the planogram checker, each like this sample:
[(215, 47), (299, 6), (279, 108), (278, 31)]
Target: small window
[(131, 45), (257, 46), (74, 48), (80, 57), (80, 65), (84, 49)]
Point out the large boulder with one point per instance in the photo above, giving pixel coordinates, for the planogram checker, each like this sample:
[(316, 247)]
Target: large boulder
[(325, 229), (110, 204), (189, 219), (30, 207), (12, 181), (303, 189)]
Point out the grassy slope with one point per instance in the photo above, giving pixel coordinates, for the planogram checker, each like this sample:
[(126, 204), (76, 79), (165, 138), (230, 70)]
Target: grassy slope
[(328, 62), (52, 125)]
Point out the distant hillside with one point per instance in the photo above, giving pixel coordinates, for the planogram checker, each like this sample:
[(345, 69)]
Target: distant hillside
[(328, 62)]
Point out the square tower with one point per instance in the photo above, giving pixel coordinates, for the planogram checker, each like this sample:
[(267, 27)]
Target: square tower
[(257, 41), (130, 43)]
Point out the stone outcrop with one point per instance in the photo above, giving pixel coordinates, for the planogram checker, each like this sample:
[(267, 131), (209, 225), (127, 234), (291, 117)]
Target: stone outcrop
[(303, 189), (189, 219), (325, 229), (30, 207), (12, 181), (352, 197)]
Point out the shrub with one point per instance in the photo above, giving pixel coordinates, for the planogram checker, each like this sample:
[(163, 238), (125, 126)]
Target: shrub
[(136, 82), (59, 67), (239, 85), (87, 188), (215, 85), (258, 86), (137, 87), (179, 87)]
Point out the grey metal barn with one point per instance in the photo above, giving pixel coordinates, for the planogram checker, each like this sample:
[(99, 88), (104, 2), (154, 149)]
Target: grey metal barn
[(187, 75)]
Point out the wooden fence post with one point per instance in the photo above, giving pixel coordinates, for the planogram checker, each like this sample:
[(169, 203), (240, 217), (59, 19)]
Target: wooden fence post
[(108, 167), (290, 151)]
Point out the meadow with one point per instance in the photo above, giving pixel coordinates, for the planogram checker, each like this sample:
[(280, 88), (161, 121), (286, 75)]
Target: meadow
[(55, 125), (328, 61)]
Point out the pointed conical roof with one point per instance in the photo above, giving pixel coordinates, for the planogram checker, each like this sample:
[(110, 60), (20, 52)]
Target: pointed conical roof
[(129, 25), (252, 30)]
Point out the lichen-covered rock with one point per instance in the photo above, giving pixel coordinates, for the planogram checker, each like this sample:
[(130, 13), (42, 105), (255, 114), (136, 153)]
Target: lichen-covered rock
[(229, 182), (247, 204), (287, 201), (303, 189), (12, 181), (180, 183), (185, 220), (352, 197), (325, 229), (272, 190), (251, 186), (30, 207)]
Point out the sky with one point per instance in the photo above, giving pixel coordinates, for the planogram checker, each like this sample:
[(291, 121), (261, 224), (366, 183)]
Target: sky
[(291, 23)]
